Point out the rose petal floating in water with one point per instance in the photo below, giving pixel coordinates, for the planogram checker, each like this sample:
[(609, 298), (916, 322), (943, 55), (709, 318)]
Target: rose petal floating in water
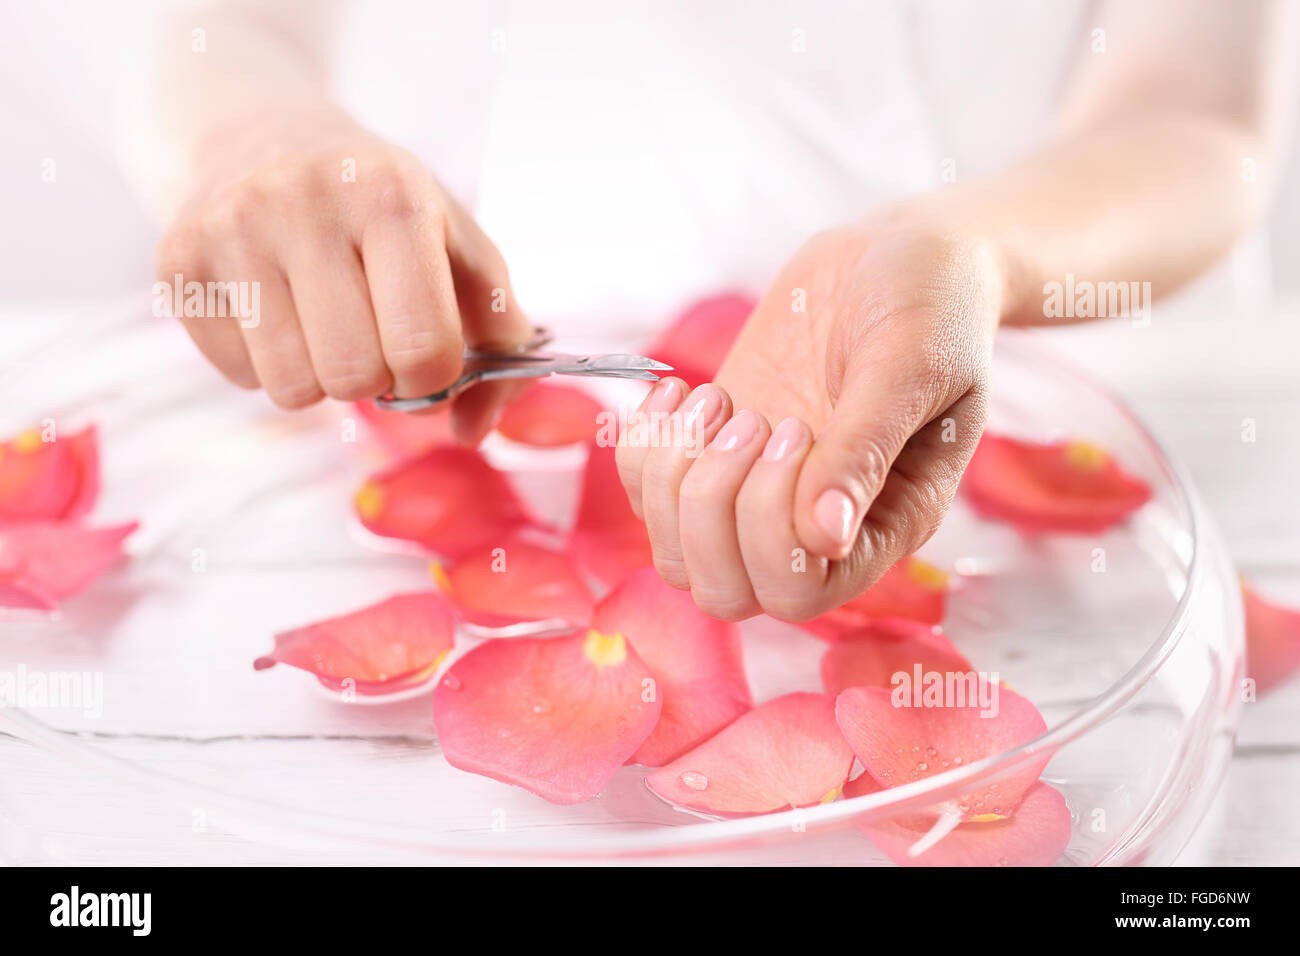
[(608, 539), (785, 753), (699, 339), (549, 414), (1272, 640), (55, 480), (912, 588), (407, 433), (899, 743), (449, 499), (1035, 835), (696, 661), (1071, 487), (557, 716), (42, 563), (872, 655), (516, 580), (390, 646)]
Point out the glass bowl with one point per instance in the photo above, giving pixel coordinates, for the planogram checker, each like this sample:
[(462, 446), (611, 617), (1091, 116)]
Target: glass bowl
[(247, 530)]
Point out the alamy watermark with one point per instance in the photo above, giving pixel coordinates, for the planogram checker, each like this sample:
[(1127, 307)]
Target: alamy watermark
[(209, 300), (922, 688), (650, 430), (1084, 299), (53, 690)]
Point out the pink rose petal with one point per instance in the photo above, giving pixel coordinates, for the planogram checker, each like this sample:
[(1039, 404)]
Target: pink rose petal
[(1073, 487), (389, 646), (515, 580), (901, 744), (449, 499), (48, 481), (699, 339), (608, 539), (557, 716), (912, 588), (1272, 641), (696, 661), (549, 414), (785, 753), (50, 561), (1035, 835), (24, 598), (873, 654)]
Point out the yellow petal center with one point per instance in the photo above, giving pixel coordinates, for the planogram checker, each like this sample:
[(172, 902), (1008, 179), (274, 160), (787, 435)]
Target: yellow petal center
[(27, 442), (1086, 456), (986, 818), (369, 501), (605, 650), (927, 575), (832, 795), (439, 576)]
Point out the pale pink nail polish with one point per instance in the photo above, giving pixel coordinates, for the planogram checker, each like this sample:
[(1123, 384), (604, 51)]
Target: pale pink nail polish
[(786, 438), (665, 397), (702, 406), (737, 433), (835, 512)]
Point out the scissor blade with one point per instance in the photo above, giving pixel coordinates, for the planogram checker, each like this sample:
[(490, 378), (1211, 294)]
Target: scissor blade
[(624, 362)]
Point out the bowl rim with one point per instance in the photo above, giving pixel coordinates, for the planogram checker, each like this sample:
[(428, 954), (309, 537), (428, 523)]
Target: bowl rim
[(244, 813)]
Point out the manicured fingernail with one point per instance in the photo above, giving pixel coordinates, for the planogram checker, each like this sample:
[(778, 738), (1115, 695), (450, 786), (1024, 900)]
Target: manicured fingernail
[(784, 440), (738, 432), (834, 511), (665, 396), (703, 406)]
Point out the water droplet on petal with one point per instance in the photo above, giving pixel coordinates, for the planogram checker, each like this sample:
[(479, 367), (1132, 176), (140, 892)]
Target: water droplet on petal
[(930, 751), (451, 682), (542, 707), (694, 780), (922, 767)]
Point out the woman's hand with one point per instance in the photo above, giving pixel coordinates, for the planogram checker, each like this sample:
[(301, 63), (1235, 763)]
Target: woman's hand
[(833, 441), (370, 278)]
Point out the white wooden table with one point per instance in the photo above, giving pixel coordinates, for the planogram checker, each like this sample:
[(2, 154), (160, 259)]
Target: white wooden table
[(1193, 378)]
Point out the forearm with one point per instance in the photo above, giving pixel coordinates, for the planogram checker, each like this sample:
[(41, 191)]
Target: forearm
[(1153, 200), (229, 87)]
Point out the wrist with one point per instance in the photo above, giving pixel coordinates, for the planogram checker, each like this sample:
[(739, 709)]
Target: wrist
[(948, 222), (230, 150)]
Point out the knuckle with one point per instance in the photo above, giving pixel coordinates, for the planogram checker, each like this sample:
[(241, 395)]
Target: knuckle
[(392, 192), (723, 605), (238, 209), (699, 489), (295, 394), (435, 368), (672, 569), (354, 384), (180, 250), (791, 608)]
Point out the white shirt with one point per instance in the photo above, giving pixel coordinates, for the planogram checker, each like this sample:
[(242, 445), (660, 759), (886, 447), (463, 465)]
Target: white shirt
[(629, 157)]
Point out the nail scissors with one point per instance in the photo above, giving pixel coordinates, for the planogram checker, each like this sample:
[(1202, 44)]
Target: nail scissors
[(529, 361)]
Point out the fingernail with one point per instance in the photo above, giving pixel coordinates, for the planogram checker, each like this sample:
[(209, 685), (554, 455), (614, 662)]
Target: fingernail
[(737, 433), (702, 406), (835, 512), (784, 440), (665, 396)]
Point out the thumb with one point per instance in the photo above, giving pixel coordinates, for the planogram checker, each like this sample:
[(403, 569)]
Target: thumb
[(882, 403), (490, 317)]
